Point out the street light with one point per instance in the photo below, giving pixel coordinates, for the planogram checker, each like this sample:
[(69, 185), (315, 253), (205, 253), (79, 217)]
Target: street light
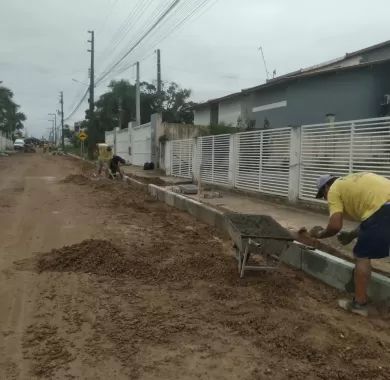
[(55, 126)]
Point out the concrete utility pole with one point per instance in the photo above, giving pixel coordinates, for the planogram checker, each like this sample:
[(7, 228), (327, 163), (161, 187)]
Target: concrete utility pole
[(138, 98), (120, 113), (159, 74), (55, 127), (52, 129), (91, 124), (62, 120)]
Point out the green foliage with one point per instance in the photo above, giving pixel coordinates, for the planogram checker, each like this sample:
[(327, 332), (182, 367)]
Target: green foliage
[(172, 103), (11, 119), (221, 129)]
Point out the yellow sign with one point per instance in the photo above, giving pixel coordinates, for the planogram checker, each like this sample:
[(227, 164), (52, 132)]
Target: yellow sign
[(83, 136)]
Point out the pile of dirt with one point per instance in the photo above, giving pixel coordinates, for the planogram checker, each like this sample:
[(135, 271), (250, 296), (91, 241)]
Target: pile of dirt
[(90, 256), (77, 179)]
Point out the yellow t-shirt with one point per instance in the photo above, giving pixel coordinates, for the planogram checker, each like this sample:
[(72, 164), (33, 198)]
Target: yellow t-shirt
[(359, 195), (104, 154)]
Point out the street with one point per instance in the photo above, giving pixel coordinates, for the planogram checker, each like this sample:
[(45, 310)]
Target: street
[(143, 291)]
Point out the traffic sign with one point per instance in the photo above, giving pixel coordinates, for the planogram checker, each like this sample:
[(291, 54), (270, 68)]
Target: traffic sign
[(83, 136)]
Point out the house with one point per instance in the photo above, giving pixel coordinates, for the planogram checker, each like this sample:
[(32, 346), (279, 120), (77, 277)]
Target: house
[(355, 86)]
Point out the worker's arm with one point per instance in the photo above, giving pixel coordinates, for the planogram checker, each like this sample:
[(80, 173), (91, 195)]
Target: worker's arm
[(333, 228)]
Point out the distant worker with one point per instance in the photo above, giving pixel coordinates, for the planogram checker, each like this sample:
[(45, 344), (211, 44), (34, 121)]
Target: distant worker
[(364, 197), (104, 157), (114, 167)]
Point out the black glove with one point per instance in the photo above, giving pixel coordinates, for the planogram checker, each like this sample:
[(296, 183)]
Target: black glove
[(345, 237)]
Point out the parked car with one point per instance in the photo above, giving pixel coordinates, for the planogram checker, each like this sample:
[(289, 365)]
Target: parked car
[(19, 144)]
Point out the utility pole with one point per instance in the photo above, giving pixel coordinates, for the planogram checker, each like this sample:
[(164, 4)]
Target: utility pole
[(120, 113), (52, 130), (55, 127), (91, 124), (159, 74), (138, 98), (62, 120)]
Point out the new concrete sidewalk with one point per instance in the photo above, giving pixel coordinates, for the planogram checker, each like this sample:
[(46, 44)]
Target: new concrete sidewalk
[(292, 218), (330, 269)]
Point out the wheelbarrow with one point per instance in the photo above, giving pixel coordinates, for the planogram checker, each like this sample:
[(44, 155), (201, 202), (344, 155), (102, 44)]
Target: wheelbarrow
[(258, 235)]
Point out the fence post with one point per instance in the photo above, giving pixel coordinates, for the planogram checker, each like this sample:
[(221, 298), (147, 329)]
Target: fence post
[(295, 163), (232, 160), (196, 158), (168, 157)]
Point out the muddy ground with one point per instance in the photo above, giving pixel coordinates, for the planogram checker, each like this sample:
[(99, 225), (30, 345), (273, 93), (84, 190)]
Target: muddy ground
[(98, 280)]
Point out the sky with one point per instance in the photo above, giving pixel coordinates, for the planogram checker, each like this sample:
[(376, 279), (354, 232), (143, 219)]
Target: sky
[(213, 51)]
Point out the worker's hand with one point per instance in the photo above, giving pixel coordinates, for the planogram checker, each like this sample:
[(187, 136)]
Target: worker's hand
[(302, 230), (316, 231), (345, 237)]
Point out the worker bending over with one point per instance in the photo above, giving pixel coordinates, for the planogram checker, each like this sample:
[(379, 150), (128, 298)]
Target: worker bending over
[(364, 197), (114, 166)]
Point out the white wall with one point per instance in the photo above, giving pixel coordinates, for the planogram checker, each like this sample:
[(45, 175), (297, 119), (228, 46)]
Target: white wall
[(5, 143), (123, 143), (202, 116), (109, 138), (141, 144), (229, 111)]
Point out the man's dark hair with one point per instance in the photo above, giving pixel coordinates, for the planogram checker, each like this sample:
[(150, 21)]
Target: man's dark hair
[(331, 181)]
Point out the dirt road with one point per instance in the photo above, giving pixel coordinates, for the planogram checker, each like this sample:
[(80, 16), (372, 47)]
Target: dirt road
[(148, 293)]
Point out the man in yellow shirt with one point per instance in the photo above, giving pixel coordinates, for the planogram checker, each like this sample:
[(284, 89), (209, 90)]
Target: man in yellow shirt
[(104, 157), (364, 197)]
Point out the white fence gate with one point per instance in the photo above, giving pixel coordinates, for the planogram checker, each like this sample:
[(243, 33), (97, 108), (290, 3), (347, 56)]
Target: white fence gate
[(213, 159), (181, 158), (263, 161), (343, 148)]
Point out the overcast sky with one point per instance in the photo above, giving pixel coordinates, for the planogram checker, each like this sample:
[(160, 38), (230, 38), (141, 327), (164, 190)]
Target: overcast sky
[(43, 44)]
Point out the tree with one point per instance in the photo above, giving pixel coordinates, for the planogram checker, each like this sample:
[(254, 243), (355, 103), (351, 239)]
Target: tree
[(176, 107), (173, 103), (11, 119)]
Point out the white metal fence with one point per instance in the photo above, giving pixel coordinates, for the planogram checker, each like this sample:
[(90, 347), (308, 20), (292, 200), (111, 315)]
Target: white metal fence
[(256, 161), (343, 148), (181, 158), (263, 161), (287, 161), (213, 156)]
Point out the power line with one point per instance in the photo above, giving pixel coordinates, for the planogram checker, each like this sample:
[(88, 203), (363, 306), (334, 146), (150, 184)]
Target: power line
[(121, 69), (75, 109), (172, 6), (176, 27), (163, 32), (150, 20), (112, 44)]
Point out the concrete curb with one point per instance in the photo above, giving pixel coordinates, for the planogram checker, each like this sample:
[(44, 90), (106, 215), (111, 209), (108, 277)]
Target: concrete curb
[(138, 184), (327, 268), (75, 156)]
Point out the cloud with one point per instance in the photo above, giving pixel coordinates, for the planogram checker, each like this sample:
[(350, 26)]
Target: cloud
[(43, 44)]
